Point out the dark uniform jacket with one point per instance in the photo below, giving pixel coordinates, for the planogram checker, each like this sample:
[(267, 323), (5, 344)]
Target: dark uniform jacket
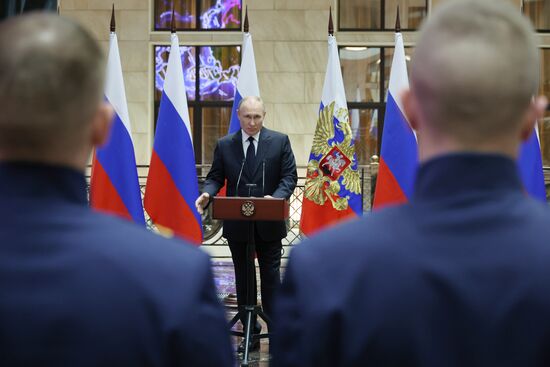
[(458, 277), (78, 288)]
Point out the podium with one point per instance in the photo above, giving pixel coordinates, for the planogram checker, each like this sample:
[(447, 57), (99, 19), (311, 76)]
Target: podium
[(249, 209)]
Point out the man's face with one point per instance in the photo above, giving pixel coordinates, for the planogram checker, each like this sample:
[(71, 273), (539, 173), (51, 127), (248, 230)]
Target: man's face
[(251, 116)]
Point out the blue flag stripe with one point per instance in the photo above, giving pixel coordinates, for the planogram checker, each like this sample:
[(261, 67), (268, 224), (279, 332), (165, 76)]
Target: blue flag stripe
[(118, 159), (234, 124), (530, 167), (174, 147), (399, 149)]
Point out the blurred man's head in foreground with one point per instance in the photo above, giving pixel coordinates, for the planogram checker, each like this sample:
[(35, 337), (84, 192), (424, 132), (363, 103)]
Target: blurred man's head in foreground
[(475, 73), (51, 87)]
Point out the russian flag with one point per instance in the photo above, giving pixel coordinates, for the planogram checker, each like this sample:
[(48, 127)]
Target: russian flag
[(355, 117), (114, 185), (530, 167), (247, 84), (172, 185), (332, 189), (399, 152)]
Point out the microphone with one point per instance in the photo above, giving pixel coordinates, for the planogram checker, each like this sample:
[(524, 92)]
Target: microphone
[(239, 178), (263, 177), (250, 187)]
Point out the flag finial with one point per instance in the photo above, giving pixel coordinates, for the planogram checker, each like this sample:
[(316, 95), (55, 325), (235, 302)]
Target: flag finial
[(113, 23), (173, 22), (397, 22), (245, 28), (330, 26)]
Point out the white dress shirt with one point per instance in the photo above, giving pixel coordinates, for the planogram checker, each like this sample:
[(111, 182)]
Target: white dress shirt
[(246, 142)]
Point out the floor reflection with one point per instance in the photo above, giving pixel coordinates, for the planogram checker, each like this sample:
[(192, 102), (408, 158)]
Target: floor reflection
[(225, 286)]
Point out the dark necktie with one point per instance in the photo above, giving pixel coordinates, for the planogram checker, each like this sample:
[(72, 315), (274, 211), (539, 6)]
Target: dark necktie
[(250, 155)]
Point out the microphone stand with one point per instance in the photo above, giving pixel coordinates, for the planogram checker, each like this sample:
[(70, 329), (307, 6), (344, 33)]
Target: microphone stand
[(263, 177), (250, 310), (250, 187), (239, 178)]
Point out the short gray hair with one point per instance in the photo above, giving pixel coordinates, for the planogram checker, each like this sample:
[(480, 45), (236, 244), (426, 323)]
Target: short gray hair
[(251, 98), (51, 84), (475, 69)]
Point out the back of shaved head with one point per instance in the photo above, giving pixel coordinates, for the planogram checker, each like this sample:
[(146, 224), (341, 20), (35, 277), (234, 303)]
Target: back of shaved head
[(475, 69), (51, 84)]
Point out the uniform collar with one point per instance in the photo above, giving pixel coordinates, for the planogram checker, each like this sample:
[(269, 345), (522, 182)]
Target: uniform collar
[(453, 174), (38, 180)]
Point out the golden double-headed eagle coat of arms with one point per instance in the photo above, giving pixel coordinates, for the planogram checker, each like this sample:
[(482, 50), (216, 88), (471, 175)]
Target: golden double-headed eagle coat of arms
[(323, 175)]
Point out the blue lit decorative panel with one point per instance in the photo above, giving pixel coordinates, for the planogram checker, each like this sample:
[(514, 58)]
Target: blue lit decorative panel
[(188, 62), (198, 14), (220, 14), (218, 72)]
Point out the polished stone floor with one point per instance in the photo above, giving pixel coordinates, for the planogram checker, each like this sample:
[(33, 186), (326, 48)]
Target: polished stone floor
[(225, 286), (258, 358), (224, 277)]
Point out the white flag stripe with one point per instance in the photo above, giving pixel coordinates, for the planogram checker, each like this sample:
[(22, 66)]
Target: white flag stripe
[(355, 117), (399, 80), (114, 85), (333, 88), (174, 87), (247, 84)]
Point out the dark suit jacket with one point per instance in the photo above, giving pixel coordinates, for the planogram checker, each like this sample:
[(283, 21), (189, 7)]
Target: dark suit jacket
[(458, 277), (274, 174), (78, 288)]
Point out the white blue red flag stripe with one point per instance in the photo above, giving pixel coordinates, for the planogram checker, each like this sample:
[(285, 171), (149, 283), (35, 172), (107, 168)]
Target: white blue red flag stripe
[(530, 167), (355, 117), (247, 84), (114, 185), (332, 191), (399, 152), (172, 185)]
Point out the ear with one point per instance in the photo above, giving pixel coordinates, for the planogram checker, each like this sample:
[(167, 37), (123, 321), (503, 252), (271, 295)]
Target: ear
[(410, 108), (101, 124), (534, 112)]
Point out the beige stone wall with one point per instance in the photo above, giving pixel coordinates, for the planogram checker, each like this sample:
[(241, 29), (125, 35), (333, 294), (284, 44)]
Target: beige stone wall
[(291, 52), (290, 44), (132, 18), (436, 2)]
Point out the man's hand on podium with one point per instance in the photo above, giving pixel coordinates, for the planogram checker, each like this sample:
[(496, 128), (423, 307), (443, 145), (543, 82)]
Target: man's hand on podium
[(202, 202), (268, 196)]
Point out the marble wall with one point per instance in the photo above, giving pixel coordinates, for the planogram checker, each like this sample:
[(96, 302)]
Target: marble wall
[(290, 48), (133, 24)]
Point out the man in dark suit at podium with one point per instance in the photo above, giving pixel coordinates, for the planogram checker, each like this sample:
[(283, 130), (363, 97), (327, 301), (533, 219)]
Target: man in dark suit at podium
[(460, 276), (79, 288), (259, 162)]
